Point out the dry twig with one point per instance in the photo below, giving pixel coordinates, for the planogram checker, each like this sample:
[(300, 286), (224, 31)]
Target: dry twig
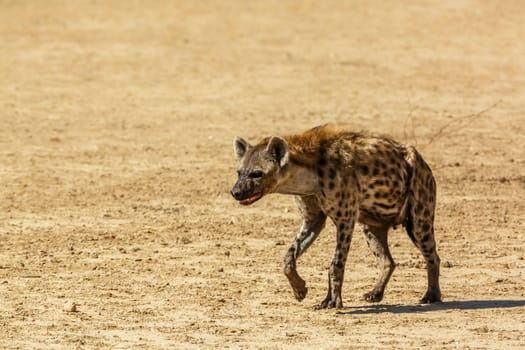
[(455, 125)]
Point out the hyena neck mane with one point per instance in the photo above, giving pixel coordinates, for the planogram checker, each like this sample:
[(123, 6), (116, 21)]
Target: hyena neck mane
[(306, 150)]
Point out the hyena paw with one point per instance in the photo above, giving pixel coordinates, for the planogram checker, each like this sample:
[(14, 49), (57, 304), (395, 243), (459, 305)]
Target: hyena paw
[(430, 298), (300, 291), (328, 303), (374, 296)]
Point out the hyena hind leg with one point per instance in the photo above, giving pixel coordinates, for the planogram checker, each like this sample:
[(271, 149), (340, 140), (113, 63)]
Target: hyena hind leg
[(420, 228), (376, 238), (420, 221)]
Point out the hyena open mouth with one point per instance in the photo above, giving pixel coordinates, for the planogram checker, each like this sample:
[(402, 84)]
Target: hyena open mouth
[(251, 199)]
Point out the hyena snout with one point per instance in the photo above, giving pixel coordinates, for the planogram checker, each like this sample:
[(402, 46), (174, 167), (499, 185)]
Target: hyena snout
[(246, 192), (237, 191)]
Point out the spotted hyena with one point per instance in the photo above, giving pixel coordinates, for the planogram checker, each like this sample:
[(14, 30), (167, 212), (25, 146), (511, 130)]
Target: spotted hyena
[(346, 176)]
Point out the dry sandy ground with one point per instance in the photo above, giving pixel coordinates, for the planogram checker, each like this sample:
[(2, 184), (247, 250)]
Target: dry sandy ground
[(116, 121)]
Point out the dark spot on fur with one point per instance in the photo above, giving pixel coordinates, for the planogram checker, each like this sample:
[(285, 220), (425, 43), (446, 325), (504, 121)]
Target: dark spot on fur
[(426, 227), (331, 173), (348, 238), (291, 250), (364, 169), (338, 214), (339, 265), (426, 212), (321, 183), (322, 148), (322, 161), (341, 226), (425, 238), (336, 162), (375, 172), (320, 172), (331, 185), (302, 163)]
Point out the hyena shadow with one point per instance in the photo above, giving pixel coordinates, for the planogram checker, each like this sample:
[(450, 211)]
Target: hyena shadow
[(449, 305)]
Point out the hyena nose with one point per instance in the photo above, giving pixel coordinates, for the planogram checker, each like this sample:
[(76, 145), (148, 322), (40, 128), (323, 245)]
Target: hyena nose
[(236, 193)]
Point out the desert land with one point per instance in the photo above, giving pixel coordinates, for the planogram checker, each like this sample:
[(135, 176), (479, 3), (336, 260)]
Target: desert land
[(117, 228)]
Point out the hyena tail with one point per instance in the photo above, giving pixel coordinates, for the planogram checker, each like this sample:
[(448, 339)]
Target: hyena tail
[(409, 195), (409, 224)]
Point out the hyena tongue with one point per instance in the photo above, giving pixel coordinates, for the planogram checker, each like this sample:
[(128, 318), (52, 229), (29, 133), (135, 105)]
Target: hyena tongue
[(252, 199)]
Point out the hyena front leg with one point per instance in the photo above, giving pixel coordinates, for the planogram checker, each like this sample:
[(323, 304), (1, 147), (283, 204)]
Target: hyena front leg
[(313, 222), (345, 228)]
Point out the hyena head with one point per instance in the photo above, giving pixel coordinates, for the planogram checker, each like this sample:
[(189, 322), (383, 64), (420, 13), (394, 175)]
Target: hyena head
[(261, 168)]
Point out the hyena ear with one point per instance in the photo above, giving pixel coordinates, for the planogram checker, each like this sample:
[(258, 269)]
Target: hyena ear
[(278, 149), (240, 146)]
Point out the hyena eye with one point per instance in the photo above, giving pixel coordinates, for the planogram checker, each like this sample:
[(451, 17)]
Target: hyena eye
[(257, 174)]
